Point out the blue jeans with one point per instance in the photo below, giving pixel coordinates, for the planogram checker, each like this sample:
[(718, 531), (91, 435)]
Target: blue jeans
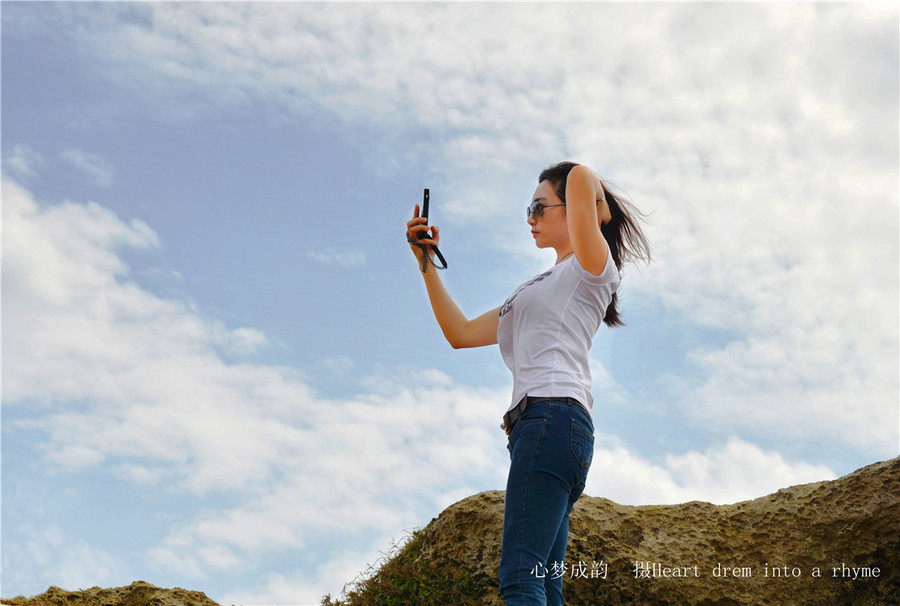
[(551, 447)]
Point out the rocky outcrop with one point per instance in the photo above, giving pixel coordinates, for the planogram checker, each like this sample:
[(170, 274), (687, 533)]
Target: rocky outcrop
[(825, 543), (138, 593), (828, 543)]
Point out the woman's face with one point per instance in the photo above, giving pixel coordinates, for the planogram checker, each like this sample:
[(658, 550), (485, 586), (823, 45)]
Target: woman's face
[(551, 229)]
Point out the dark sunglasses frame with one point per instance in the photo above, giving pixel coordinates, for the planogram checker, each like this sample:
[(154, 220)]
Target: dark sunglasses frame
[(536, 209)]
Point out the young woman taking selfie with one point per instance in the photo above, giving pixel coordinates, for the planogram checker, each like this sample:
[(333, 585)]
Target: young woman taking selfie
[(545, 330)]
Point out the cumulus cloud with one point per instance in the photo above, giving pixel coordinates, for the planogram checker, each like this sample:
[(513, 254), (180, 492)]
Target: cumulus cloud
[(357, 472), (151, 368)]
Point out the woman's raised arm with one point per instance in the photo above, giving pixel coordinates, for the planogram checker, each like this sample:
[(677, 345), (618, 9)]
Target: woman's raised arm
[(458, 330), (586, 209)]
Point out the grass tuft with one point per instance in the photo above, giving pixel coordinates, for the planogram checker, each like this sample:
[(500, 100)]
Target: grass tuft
[(404, 579)]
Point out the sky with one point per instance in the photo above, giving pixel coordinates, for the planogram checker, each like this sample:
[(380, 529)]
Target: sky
[(220, 370)]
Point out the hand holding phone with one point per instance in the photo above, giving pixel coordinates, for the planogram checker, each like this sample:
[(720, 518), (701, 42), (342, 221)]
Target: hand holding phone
[(423, 234), (424, 214)]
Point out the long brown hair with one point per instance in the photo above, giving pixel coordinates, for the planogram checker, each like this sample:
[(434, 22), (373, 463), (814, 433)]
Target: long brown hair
[(623, 233)]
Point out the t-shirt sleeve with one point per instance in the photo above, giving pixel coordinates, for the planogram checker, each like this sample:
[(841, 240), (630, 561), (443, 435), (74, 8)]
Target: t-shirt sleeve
[(609, 273)]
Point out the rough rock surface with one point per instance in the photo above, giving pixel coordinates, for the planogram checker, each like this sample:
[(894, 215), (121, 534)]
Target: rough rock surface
[(825, 543), (138, 593)]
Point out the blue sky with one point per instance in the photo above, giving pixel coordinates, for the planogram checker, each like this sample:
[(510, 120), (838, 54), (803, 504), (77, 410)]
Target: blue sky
[(220, 370)]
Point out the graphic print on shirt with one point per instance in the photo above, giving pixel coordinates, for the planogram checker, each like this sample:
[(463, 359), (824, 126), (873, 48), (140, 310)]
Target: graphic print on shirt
[(508, 305)]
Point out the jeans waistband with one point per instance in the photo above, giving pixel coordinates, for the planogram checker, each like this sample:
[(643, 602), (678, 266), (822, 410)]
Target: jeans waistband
[(510, 418)]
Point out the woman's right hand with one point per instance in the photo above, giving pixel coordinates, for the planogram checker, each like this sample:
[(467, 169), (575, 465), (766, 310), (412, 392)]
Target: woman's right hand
[(417, 232)]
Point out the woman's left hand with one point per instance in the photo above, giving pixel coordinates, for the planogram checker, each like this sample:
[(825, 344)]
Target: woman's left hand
[(603, 211), (598, 186)]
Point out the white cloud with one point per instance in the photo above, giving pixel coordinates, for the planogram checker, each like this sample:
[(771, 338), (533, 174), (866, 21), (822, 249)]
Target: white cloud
[(117, 377), (150, 368), (22, 162), (724, 473), (285, 589), (82, 565), (340, 366), (95, 167), (771, 168), (342, 258), (801, 265), (763, 137), (605, 387), (55, 559), (241, 341)]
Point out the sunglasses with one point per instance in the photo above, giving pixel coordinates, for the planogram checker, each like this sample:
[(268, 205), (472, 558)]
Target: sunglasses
[(536, 209)]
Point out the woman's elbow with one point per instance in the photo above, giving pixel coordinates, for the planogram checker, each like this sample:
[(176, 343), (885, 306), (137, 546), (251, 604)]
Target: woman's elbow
[(460, 340), (471, 341), (456, 343), (453, 339)]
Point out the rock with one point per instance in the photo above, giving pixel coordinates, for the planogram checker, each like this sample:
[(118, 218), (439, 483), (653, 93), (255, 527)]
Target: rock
[(138, 593), (825, 543)]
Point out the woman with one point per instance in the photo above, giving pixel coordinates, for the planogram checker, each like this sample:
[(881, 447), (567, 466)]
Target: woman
[(544, 331)]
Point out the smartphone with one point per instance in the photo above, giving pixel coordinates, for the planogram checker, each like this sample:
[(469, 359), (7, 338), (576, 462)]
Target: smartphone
[(424, 234), (425, 199)]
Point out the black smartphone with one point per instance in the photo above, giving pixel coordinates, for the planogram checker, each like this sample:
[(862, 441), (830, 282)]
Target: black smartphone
[(424, 234)]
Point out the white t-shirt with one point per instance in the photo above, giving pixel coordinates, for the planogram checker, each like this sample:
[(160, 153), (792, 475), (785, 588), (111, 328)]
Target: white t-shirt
[(547, 327)]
